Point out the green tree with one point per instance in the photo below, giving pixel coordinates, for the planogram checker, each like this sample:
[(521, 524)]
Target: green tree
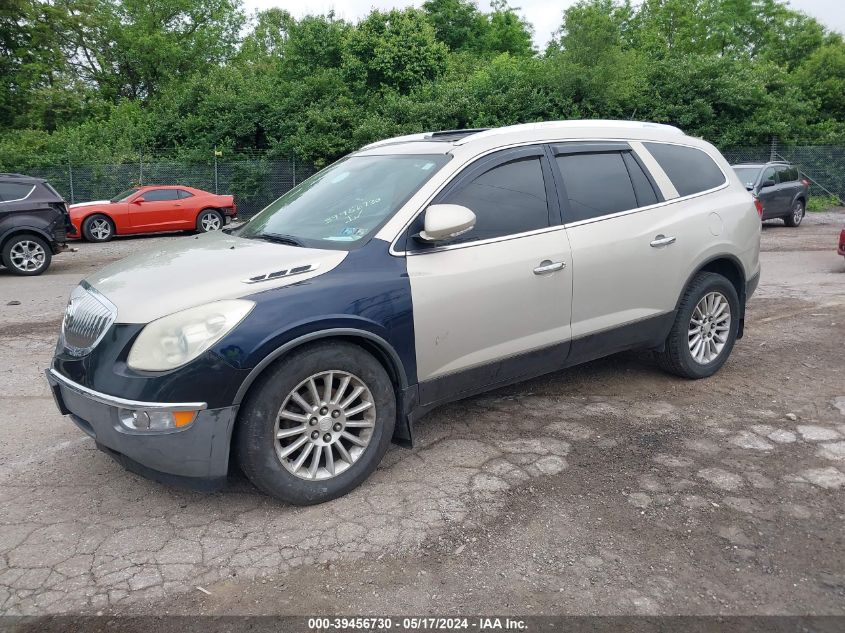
[(130, 48), (397, 49), (507, 31), (457, 23)]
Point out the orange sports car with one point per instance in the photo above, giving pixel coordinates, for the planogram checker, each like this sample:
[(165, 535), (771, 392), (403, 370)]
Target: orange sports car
[(152, 209)]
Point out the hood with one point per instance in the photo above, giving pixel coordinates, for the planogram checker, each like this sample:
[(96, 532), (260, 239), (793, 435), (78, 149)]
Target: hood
[(79, 205), (191, 271)]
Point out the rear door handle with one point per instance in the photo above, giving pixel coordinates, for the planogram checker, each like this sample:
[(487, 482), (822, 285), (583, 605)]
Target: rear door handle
[(662, 240), (548, 266)]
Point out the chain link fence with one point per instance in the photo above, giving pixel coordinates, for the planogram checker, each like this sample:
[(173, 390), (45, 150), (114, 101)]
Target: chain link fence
[(256, 179), (823, 166), (253, 179)]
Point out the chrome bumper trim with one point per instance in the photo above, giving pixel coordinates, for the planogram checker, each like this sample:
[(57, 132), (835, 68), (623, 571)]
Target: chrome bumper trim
[(56, 378)]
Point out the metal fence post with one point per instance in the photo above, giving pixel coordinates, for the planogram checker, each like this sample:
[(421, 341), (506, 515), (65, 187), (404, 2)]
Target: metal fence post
[(70, 180), (774, 149), (293, 161), (215, 171), (140, 166)]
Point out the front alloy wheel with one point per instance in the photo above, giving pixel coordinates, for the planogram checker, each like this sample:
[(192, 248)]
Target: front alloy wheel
[(794, 218), (325, 425), (316, 423), (98, 228)]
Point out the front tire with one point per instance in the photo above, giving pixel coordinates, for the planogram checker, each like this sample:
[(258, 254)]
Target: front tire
[(98, 228), (705, 328), (316, 424), (797, 214), (26, 255), (209, 220)]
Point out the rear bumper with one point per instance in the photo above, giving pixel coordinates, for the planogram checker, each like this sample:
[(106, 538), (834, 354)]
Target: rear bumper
[(195, 457), (751, 285)]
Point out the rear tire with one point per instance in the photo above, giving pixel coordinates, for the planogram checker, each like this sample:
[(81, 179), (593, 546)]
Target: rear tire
[(209, 220), (98, 228), (293, 435), (797, 214), (705, 328), (26, 255)]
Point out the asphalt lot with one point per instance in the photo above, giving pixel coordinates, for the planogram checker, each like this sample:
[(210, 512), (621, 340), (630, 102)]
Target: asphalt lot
[(610, 488)]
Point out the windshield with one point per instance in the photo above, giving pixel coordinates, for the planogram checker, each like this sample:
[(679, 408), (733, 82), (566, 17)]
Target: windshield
[(345, 203), (747, 175), (123, 195)]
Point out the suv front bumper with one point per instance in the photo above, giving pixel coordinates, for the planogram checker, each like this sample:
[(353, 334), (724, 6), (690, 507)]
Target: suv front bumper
[(195, 457)]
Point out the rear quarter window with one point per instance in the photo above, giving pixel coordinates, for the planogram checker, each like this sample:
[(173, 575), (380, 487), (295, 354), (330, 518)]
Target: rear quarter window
[(690, 169), (14, 191)]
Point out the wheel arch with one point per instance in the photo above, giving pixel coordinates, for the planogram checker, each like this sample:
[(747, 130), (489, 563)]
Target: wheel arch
[(380, 349), (91, 215), (26, 230), (730, 268)]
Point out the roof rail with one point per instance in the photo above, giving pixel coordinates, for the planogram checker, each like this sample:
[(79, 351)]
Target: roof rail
[(11, 175), (571, 123)]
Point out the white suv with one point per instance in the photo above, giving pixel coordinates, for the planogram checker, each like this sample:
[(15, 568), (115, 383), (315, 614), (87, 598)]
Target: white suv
[(416, 271)]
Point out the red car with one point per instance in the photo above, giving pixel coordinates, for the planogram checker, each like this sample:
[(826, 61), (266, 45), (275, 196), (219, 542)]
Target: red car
[(152, 209), (841, 249)]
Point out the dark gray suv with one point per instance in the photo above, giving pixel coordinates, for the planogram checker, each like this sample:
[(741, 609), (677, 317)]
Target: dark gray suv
[(780, 188), (34, 224)]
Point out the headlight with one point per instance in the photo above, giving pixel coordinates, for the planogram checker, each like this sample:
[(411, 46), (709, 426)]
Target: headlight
[(179, 338)]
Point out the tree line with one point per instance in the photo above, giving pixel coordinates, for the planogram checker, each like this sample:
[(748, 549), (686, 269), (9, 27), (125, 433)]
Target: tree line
[(97, 80)]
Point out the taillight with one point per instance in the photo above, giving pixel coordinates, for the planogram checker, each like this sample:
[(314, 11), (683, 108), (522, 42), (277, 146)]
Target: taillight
[(759, 206)]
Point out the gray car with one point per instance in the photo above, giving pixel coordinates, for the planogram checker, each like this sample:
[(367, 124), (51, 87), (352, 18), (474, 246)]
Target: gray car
[(779, 187)]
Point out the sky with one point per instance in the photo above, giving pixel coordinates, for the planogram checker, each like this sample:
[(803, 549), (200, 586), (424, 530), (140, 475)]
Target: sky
[(544, 15)]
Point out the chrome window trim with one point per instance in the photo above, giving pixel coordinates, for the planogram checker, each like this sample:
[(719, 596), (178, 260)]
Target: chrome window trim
[(19, 199), (637, 150), (492, 240), (55, 377), (646, 208)]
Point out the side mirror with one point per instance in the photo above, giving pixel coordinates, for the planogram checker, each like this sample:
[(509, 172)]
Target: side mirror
[(445, 221), (767, 183), (137, 201)]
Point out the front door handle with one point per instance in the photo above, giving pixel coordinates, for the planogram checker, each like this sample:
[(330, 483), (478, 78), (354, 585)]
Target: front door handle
[(548, 266), (662, 240)]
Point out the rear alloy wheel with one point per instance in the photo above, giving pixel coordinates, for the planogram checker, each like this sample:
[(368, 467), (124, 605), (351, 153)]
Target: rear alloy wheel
[(794, 218), (26, 255), (98, 228), (209, 220), (705, 328), (316, 423)]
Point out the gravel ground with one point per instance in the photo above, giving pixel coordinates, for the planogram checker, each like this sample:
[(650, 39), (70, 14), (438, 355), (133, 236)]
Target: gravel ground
[(610, 488)]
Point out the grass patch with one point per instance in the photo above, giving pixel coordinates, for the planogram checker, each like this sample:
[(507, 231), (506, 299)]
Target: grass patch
[(822, 203)]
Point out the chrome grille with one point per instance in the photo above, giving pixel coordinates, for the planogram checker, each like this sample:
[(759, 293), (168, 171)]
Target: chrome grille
[(87, 318)]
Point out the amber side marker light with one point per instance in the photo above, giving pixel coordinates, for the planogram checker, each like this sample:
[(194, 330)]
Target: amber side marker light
[(141, 420), (183, 418)]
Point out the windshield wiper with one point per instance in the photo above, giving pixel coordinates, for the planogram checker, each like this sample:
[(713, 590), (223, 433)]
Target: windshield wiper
[(279, 238)]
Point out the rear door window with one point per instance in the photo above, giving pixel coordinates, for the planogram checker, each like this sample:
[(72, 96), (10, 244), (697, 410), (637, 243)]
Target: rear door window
[(158, 195), (185, 194), (690, 169), (10, 191), (787, 174), (596, 185)]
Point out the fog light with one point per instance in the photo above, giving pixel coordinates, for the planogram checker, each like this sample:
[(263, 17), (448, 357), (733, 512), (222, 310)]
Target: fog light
[(140, 420)]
